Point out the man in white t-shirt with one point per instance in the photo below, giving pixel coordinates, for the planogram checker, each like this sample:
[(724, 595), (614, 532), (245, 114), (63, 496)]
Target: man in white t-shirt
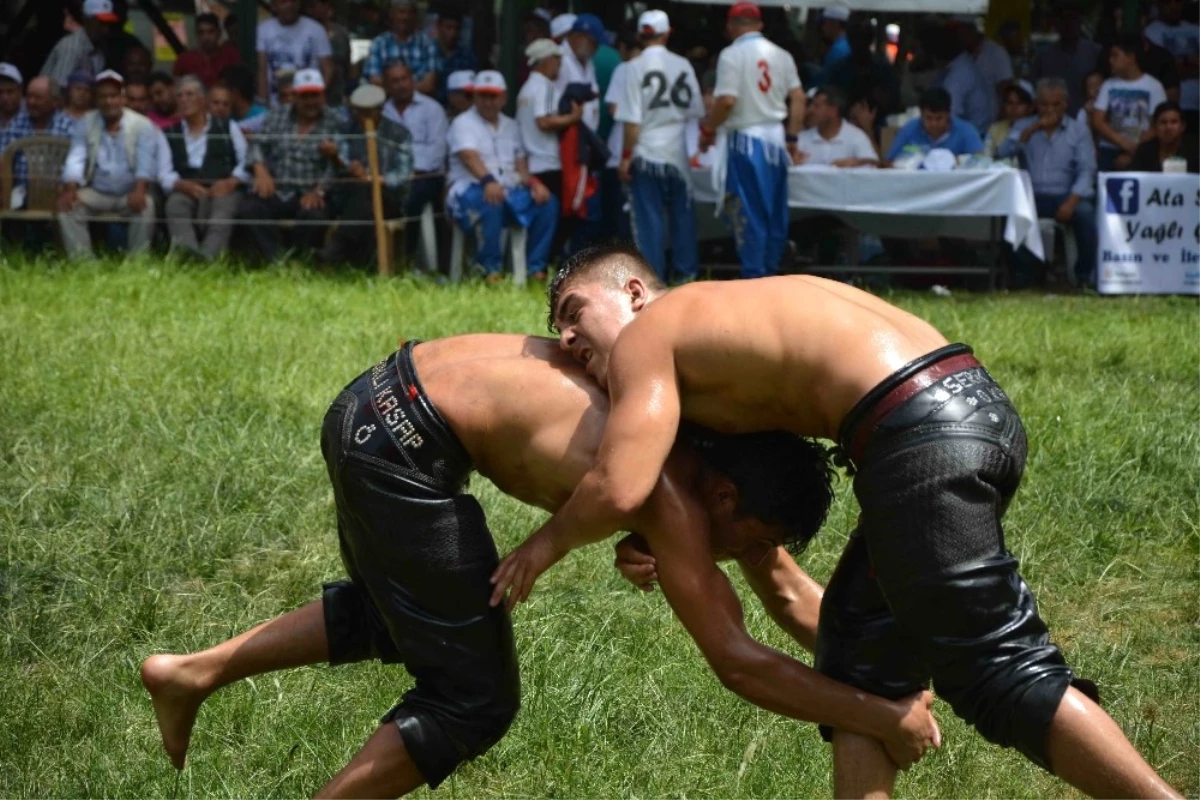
[(1182, 40), (831, 141), (290, 41), (577, 67), (1125, 105), (490, 184), (756, 81), (427, 124), (537, 114), (659, 96)]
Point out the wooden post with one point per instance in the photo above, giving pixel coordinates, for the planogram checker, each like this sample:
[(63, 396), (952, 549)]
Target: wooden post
[(381, 234)]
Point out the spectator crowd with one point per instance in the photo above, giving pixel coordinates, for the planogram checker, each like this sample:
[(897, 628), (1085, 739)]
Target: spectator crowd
[(607, 127)]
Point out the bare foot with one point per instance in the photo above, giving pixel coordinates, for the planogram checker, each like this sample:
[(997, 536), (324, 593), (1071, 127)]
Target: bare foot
[(176, 701)]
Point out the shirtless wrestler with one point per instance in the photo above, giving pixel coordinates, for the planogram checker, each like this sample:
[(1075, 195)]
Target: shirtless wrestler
[(926, 588), (399, 449)]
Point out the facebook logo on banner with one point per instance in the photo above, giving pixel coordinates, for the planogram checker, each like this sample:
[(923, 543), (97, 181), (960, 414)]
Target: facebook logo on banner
[(1122, 195)]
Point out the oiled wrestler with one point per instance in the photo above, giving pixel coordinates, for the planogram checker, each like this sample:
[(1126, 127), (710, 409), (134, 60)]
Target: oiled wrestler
[(926, 587), (400, 442)]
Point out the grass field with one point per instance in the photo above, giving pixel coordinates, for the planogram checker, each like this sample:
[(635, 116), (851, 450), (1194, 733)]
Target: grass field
[(161, 488)]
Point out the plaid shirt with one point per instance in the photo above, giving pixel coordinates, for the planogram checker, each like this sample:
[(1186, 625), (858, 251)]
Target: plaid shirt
[(292, 158), (461, 59), (419, 52), (395, 152), (21, 127)]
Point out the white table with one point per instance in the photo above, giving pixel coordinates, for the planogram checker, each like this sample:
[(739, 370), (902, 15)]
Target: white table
[(965, 204)]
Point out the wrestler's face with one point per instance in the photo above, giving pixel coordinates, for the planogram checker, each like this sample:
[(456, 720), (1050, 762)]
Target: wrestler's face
[(733, 535), (590, 316)]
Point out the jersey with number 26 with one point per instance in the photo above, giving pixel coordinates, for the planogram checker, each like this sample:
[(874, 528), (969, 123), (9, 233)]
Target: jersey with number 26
[(661, 95), (759, 75)]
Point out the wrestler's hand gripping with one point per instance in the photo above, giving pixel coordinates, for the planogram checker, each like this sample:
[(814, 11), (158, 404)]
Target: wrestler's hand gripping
[(521, 568)]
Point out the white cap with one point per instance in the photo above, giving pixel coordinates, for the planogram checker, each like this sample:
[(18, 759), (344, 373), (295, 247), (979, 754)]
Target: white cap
[(542, 13), (9, 71), (837, 12), (489, 82), (308, 80), (654, 22), (110, 75), (462, 80), (560, 26), (541, 48), (100, 9), (367, 96)]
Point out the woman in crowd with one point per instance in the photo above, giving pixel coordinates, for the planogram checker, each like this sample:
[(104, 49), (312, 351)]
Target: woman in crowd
[(1170, 141), (1018, 104)]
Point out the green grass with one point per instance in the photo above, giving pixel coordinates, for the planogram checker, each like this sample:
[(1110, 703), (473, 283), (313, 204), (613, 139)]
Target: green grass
[(161, 488)]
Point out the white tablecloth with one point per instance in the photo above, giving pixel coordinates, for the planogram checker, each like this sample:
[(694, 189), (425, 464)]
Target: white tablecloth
[(958, 203)]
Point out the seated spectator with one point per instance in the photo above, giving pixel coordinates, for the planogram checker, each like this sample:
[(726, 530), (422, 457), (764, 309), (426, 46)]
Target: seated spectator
[(208, 157), (137, 64), (230, 24), (1171, 140), (404, 42), (936, 127), (290, 41), (339, 47), (220, 102), (453, 54), (350, 199), (163, 103), (427, 126), (108, 171), (459, 92), (40, 117), (1072, 57), (285, 85), (1059, 155), (864, 115), (1018, 104), (80, 95), (83, 49), (490, 184), (210, 56), (291, 161), (1125, 105), (1091, 89), (137, 98), (247, 112), (832, 141), (971, 97)]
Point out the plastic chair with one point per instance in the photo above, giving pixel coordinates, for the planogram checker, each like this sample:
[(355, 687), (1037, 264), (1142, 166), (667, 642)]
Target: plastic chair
[(513, 241)]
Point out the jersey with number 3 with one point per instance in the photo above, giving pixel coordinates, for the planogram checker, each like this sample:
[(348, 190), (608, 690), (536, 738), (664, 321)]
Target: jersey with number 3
[(661, 95), (759, 75)]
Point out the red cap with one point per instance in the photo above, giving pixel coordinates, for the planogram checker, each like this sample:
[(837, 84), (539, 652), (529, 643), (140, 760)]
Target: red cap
[(745, 10)]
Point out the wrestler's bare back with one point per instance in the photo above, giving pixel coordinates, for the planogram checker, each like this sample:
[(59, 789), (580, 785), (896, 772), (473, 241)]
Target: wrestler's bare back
[(792, 352), (526, 412)]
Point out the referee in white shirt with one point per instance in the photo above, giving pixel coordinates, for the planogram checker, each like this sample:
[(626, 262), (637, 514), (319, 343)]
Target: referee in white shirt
[(661, 94)]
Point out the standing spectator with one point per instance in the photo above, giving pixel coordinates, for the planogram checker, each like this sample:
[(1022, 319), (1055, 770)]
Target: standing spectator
[(210, 56), (1091, 90), (285, 85), (351, 197), (248, 113), (1154, 60), (290, 160), (1182, 40), (108, 170), (614, 217), (339, 45), (560, 26), (1061, 160), (1170, 141), (1016, 45), (936, 127), (1125, 105), (163, 103), (832, 141), (577, 67), (290, 41), (757, 89), (460, 87), (833, 33), (404, 43), (80, 94), (230, 24), (865, 73), (82, 50), (992, 59), (137, 64), (490, 184), (220, 102), (453, 54), (661, 94), (208, 157), (971, 96), (1017, 104), (427, 126), (1072, 57), (538, 118), (366, 19)]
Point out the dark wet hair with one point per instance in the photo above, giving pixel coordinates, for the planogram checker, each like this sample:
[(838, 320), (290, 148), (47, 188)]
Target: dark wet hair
[(782, 479), (610, 257)]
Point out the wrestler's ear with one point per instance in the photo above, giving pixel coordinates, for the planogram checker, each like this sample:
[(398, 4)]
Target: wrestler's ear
[(723, 497), (638, 293)]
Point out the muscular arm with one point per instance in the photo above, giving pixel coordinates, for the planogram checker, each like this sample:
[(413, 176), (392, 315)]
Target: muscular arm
[(790, 596)]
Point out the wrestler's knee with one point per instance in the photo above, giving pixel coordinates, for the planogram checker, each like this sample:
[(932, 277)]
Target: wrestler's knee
[(353, 629)]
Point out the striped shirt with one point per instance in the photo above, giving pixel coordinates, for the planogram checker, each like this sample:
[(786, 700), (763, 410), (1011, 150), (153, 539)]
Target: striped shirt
[(418, 51), (292, 158)]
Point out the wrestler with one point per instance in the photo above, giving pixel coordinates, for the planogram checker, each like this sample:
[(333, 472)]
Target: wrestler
[(399, 449), (926, 588)]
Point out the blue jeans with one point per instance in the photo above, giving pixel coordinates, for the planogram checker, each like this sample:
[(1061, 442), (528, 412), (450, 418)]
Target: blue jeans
[(1083, 225), (756, 203), (660, 201), (518, 208)]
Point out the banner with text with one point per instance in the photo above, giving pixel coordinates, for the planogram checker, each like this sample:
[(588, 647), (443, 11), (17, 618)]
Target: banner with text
[(1149, 225)]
